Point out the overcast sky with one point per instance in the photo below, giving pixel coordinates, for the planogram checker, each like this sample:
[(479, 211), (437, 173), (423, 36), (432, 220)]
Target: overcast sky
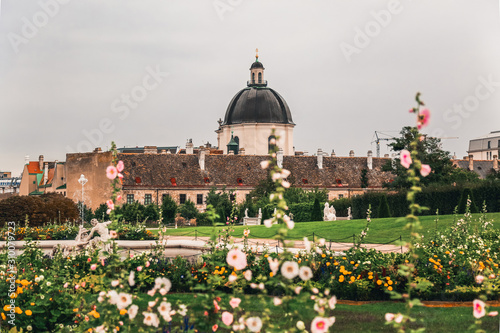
[(345, 68)]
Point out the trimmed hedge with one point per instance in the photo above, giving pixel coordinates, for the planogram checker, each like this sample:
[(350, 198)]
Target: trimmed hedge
[(444, 198)]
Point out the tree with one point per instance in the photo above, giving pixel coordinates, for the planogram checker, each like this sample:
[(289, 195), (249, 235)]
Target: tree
[(101, 212), (221, 201), (152, 212), (429, 152), (317, 213), (169, 209), (383, 207), (188, 210), (364, 178)]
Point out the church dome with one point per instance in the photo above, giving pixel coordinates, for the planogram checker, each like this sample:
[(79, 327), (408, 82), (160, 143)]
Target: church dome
[(257, 105)]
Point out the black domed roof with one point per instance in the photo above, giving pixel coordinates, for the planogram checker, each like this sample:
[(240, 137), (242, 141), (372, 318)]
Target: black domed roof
[(257, 105), (257, 64)]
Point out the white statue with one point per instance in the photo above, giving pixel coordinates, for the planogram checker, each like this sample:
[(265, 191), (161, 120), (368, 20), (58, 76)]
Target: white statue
[(246, 212), (260, 213), (349, 215), (329, 213)]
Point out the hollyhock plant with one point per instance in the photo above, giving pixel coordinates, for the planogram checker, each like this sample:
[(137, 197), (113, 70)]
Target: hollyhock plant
[(479, 309), (227, 318), (237, 259), (405, 157), (111, 172), (235, 302), (423, 118), (425, 170), (120, 166), (321, 325), (290, 269)]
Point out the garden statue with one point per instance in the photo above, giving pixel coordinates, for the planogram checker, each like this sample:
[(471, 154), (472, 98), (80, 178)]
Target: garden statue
[(246, 212), (260, 213), (349, 215), (329, 213)]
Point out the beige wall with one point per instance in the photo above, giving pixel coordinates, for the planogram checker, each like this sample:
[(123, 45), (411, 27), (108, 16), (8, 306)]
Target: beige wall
[(254, 137)]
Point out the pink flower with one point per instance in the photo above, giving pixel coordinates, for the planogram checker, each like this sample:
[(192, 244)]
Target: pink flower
[(119, 198), (111, 172), (425, 170), (479, 279), (89, 259), (248, 275), (332, 302), (113, 234), (108, 211), (399, 318), (405, 157), (237, 259), (110, 204), (215, 327), (66, 285), (227, 318), (93, 267), (285, 184), (478, 308), (139, 268), (83, 284), (147, 264), (277, 301), (264, 164), (493, 313), (77, 286), (389, 317), (423, 118), (216, 305), (320, 325), (120, 166), (273, 265), (234, 302)]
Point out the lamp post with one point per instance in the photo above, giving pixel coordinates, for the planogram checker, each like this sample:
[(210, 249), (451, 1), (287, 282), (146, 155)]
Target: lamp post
[(83, 181)]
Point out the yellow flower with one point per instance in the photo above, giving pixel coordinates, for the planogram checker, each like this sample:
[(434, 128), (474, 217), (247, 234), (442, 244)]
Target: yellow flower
[(370, 277), (389, 283), (379, 282), (353, 279), (352, 262), (18, 310), (341, 278), (271, 274), (328, 264), (19, 290), (3, 316), (94, 313), (24, 282), (32, 303), (6, 308), (75, 310), (390, 288), (28, 312), (123, 312)]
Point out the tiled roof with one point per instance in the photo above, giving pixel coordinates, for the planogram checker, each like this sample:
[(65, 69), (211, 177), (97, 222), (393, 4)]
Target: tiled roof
[(232, 170), (482, 167), (33, 167)]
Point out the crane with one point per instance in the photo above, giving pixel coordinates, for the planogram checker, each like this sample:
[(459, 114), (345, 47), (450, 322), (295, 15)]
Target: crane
[(378, 139)]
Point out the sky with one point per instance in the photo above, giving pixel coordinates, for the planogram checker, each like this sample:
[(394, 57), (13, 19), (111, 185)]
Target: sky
[(78, 74)]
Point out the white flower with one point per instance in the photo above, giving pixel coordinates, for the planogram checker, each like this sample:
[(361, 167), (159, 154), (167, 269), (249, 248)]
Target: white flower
[(163, 283), (332, 302), (254, 324), (277, 301), (305, 273), (321, 325), (132, 311), (307, 244), (123, 300), (285, 173), (232, 278), (273, 265), (389, 317), (248, 275), (264, 164), (100, 299), (42, 296), (182, 310), (300, 325), (29, 327), (100, 329), (290, 269), (151, 319), (114, 283), (113, 296), (131, 278), (268, 223), (164, 310), (48, 283)]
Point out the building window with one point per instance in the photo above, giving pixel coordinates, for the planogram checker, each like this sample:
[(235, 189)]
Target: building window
[(147, 199), (232, 197), (182, 198), (489, 144), (199, 199), (130, 198), (253, 77), (341, 196), (260, 77)]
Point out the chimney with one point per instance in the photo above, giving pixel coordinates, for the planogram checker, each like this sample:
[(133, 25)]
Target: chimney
[(495, 162), (242, 151), (351, 153), (333, 153), (279, 158), (230, 152), (386, 156), (471, 162), (150, 150), (320, 158), (201, 159), (369, 160), (98, 150), (163, 151), (40, 162), (189, 147), (46, 173), (27, 159)]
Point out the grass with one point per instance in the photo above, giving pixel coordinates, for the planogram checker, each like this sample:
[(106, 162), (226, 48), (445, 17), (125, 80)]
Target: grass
[(381, 230), (370, 317)]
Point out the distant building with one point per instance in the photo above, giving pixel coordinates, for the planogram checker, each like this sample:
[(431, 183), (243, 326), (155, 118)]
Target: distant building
[(41, 177), (485, 147), (5, 174), (9, 185)]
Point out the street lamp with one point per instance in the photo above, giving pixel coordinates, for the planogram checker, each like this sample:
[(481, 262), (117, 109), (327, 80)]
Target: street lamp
[(83, 181)]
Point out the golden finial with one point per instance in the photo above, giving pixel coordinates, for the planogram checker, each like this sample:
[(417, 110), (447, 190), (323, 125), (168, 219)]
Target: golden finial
[(256, 54)]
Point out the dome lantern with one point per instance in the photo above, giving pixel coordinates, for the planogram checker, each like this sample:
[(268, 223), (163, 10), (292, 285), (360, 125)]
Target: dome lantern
[(257, 73)]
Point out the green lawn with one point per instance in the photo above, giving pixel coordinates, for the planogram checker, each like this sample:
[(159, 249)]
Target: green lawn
[(381, 230), (370, 317)]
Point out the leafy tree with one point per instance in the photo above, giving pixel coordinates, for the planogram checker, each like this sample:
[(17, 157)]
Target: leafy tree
[(169, 209), (133, 212), (188, 210), (364, 178), (87, 212), (221, 201), (429, 152), (317, 213)]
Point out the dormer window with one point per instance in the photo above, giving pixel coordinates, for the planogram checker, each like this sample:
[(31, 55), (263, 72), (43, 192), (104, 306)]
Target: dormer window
[(305, 181), (239, 181), (173, 181), (137, 180), (207, 180)]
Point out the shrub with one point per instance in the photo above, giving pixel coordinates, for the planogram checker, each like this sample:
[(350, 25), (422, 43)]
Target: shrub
[(188, 210), (169, 209), (317, 212), (383, 208), (467, 194)]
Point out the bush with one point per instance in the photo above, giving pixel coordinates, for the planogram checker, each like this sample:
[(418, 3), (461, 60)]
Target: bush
[(317, 212), (301, 211), (341, 206), (151, 212), (383, 208), (203, 219), (188, 210), (169, 209), (467, 194)]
